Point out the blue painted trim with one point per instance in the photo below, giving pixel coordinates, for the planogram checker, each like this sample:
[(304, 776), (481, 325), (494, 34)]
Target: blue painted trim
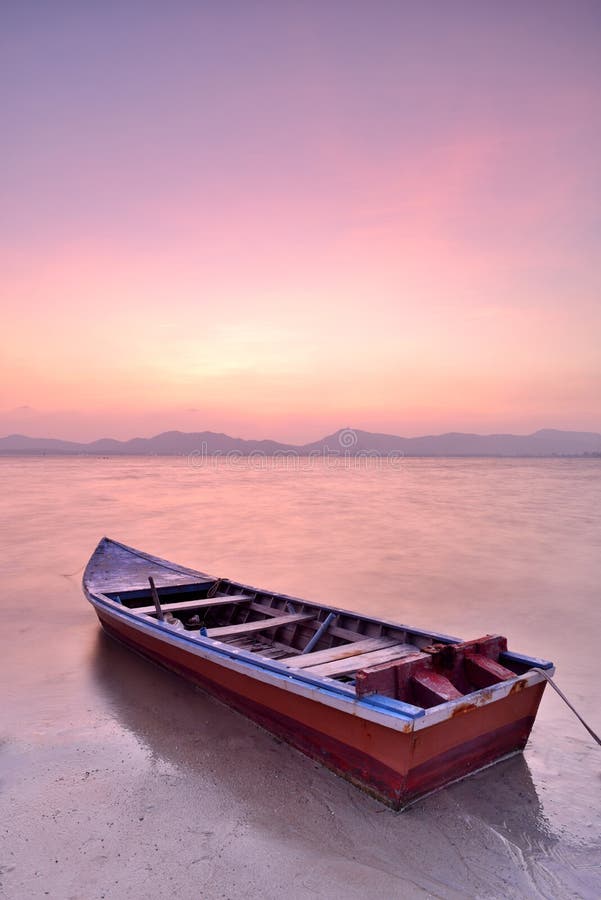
[(436, 636), (388, 704), (527, 660), (394, 708)]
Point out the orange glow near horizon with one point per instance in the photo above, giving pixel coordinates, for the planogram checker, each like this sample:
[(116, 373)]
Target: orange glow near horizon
[(296, 244)]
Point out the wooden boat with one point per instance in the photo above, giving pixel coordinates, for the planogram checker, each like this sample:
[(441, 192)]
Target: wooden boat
[(396, 710)]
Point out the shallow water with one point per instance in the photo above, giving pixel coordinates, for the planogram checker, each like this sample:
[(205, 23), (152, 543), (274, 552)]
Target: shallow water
[(121, 780)]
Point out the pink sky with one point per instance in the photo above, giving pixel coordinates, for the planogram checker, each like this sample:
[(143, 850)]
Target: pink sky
[(277, 219)]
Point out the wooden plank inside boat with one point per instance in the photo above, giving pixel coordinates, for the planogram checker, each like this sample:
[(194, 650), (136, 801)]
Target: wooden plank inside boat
[(260, 625), (189, 605), (342, 651), (354, 663), (266, 610)]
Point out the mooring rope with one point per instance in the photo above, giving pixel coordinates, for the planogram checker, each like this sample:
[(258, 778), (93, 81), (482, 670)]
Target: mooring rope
[(565, 700), (214, 588)]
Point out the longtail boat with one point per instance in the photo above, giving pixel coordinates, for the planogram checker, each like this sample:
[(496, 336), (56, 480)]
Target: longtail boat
[(396, 710)]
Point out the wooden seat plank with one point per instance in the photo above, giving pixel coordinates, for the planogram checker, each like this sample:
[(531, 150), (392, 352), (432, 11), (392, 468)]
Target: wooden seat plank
[(269, 610), (343, 651), (193, 604), (336, 631), (362, 661), (260, 625)]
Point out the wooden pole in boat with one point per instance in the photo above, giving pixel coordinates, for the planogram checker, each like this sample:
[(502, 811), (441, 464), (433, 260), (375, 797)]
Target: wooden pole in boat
[(320, 632), (155, 597)]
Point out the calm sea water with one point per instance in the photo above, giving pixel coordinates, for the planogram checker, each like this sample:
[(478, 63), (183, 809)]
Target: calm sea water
[(460, 546)]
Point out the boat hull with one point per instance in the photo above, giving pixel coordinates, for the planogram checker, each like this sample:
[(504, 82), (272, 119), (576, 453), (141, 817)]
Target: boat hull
[(395, 766)]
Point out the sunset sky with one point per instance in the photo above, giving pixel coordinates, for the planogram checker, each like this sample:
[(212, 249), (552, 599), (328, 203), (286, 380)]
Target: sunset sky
[(280, 218)]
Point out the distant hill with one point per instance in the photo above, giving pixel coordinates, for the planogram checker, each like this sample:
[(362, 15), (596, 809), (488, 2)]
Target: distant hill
[(169, 443), (547, 442)]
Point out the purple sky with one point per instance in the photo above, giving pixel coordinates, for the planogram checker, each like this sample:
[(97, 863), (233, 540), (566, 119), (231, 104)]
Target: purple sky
[(280, 218)]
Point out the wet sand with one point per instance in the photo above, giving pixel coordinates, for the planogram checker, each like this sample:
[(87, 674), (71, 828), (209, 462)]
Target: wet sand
[(121, 780)]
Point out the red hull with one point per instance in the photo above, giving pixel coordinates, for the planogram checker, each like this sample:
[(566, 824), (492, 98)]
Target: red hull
[(397, 767)]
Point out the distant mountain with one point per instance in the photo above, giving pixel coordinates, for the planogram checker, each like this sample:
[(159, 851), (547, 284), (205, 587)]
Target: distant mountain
[(169, 443), (547, 442)]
